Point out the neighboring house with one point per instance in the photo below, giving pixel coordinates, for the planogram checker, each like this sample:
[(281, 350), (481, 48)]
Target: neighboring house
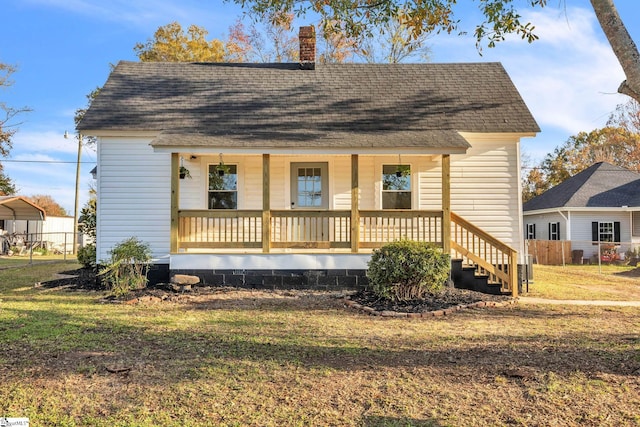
[(599, 204), (296, 171)]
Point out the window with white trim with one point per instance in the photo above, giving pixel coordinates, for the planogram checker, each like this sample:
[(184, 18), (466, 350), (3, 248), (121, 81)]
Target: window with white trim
[(222, 191), (554, 231), (396, 187), (605, 231)]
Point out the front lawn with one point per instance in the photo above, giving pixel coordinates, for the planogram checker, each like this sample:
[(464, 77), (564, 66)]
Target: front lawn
[(238, 358), (588, 282)]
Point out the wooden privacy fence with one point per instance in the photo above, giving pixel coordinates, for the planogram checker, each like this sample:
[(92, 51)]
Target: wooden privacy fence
[(550, 252)]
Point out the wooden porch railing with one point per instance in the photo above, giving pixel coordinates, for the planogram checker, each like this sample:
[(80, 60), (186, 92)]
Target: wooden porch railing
[(304, 229), (220, 229), (322, 229), (477, 247), (310, 229), (380, 227)]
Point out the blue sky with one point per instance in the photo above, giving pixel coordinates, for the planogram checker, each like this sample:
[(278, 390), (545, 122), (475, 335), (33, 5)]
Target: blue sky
[(63, 49)]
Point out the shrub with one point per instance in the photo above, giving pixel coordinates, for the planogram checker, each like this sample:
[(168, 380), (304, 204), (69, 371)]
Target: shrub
[(87, 256), (41, 251), (127, 268), (406, 270)]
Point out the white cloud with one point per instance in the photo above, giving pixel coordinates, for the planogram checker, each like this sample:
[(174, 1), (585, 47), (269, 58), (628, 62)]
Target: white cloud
[(568, 78), (45, 163), (36, 142)]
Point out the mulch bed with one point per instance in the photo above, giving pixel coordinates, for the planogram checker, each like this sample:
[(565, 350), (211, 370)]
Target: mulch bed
[(446, 302)]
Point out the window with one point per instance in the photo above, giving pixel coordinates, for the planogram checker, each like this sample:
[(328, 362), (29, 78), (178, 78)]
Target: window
[(554, 231), (396, 187), (223, 187), (531, 231), (605, 231), (635, 229)]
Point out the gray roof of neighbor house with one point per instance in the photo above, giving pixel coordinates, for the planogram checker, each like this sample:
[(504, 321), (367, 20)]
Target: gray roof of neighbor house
[(601, 185), (281, 105)]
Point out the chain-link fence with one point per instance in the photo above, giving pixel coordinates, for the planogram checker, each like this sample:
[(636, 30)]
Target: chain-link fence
[(18, 249)]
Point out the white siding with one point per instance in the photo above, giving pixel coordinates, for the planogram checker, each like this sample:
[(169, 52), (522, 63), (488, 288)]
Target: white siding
[(369, 198), (581, 237), (485, 188), (193, 191), (134, 197), (542, 221)]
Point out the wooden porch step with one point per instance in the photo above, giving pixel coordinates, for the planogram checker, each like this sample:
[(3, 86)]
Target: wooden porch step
[(467, 277)]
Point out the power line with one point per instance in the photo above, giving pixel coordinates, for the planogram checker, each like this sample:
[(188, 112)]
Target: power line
[(42, 161)]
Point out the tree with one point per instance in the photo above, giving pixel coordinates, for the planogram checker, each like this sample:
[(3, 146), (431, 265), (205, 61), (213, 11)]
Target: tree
[(80, 112), (87, 220), (394, 43), (336, 47), (171, 44), (7, 129), (500, 18), (46, 202), (617, 143), (277, 42)]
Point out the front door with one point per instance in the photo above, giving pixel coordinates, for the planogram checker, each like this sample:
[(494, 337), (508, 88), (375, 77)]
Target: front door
[(309, 186)]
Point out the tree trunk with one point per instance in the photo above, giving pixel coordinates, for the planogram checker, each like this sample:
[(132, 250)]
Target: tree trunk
[(623, 46)]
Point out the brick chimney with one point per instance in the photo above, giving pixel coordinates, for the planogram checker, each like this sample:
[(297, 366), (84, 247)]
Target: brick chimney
[(307, 39)]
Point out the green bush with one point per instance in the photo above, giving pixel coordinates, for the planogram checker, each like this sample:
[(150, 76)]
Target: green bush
[(126, 270), (87, 256), (407, 270), (41, 251)]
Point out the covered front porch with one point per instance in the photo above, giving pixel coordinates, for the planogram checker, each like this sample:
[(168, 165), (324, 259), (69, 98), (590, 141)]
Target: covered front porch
[(333, 231)]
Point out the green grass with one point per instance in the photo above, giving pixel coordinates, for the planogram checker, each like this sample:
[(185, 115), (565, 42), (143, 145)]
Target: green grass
[(238, 358), (586, 282), (24, 260)]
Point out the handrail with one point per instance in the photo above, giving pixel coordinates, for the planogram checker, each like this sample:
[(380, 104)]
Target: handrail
[(490, 254)]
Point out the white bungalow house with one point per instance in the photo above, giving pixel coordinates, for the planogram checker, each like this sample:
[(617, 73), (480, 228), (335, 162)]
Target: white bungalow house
[(600, 205), (297, 171)]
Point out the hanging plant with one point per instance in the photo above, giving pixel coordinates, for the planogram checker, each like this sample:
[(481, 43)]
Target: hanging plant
[(184, 173)]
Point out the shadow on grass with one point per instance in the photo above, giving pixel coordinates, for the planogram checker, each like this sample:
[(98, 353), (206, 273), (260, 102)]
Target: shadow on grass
[(379, 421), (57, 343)]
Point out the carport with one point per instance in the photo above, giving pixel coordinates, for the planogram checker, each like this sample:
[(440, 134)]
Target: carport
[(16, 208)]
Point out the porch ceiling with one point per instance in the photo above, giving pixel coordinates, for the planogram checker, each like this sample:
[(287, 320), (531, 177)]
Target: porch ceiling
[(392, 141)]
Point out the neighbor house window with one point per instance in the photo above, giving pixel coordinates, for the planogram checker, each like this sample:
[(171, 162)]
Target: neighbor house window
[(223, 187), (396, 187), (605, 231), (554, 231), (531, 231)]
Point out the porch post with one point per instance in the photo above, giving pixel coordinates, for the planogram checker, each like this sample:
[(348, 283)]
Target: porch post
[(266, 203), (175, 197), (446, 203), (355, 205)]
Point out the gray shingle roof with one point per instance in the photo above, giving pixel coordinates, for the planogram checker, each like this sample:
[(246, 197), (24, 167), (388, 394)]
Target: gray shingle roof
[(601, 185), (361, 105)]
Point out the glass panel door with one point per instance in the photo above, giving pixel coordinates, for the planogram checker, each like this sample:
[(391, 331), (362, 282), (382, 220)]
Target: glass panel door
[(309, 186)]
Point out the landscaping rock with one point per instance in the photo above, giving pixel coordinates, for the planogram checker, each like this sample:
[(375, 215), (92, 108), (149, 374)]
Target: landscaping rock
[(184, 279)]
